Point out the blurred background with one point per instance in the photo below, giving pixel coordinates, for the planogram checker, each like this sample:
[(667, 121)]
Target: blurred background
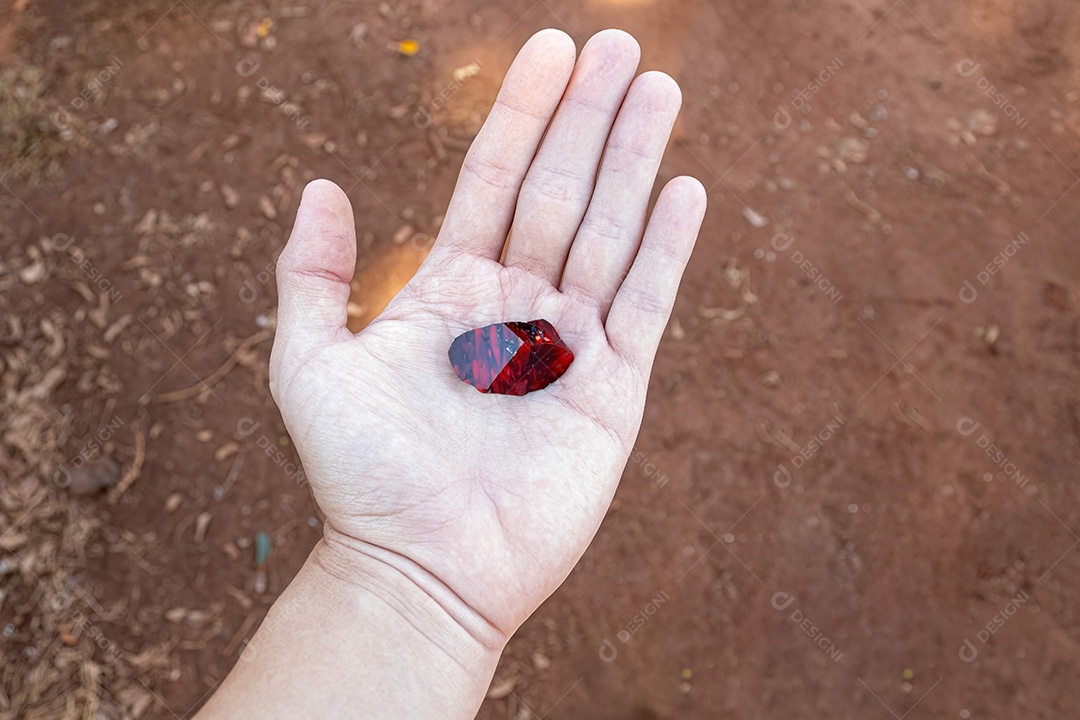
[(855, 489)]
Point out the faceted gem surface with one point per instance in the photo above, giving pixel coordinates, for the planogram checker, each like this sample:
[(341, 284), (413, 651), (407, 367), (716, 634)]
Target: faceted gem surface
[(511, 358)]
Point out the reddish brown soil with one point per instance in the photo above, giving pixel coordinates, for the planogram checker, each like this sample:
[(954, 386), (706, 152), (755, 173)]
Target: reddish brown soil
[(898, 539)]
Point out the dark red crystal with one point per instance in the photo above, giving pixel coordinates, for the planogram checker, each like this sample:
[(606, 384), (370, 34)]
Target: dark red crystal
[(511, 358)]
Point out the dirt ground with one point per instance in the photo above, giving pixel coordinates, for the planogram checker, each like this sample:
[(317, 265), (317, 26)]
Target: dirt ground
[(855, 490)]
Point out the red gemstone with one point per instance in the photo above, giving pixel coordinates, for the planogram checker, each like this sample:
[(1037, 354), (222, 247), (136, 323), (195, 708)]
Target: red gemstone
[(511, 358)]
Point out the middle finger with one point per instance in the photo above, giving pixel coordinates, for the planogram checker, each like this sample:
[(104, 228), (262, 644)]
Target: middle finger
[(557, 188)]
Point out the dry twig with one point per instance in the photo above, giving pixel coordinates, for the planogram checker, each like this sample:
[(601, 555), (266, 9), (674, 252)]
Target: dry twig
[(132, 473), (217, 375)]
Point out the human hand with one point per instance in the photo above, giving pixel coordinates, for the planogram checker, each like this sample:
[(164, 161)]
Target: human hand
[(486, 502)]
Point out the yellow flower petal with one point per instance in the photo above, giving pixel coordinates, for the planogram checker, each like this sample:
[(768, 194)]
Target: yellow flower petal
[(408, 47), (264, 28)]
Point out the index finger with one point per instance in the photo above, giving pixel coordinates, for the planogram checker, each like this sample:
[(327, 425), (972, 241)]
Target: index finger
[(482, 206)]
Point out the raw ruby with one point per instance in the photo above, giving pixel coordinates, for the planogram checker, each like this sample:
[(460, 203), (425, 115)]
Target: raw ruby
[(511, 358)]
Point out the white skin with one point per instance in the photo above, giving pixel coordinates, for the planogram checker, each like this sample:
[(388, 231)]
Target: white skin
[(452, 514)]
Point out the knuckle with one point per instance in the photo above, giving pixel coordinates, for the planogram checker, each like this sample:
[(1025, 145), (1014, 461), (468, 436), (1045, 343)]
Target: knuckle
[(489, 171), (565, 186), (645, 303), (608, 226)]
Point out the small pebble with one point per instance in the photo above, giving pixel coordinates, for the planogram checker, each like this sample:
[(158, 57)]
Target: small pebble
[(202, 524), (266, 205), (230, 196), (754, 218), (173, 502)]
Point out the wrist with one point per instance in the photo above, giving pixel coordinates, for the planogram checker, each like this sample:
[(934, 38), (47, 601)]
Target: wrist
[(353, 636), (417, 596)]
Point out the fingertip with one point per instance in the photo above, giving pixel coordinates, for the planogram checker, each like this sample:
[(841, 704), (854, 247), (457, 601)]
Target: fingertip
[(323, 205), (324, 190), (689, 193), (553, 44), (617, 44), (643, 304), (323, 236), (660, 90), (538, 76), (681, 209)]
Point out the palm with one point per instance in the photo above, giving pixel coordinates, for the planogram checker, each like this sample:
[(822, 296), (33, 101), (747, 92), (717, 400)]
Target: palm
[(406, 456), (495, 496)]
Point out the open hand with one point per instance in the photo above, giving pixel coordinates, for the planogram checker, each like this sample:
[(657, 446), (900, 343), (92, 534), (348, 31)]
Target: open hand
[(486, 502)]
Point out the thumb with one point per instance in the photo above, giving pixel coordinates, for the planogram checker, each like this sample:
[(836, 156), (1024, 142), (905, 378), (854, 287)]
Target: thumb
[(313, 273)]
